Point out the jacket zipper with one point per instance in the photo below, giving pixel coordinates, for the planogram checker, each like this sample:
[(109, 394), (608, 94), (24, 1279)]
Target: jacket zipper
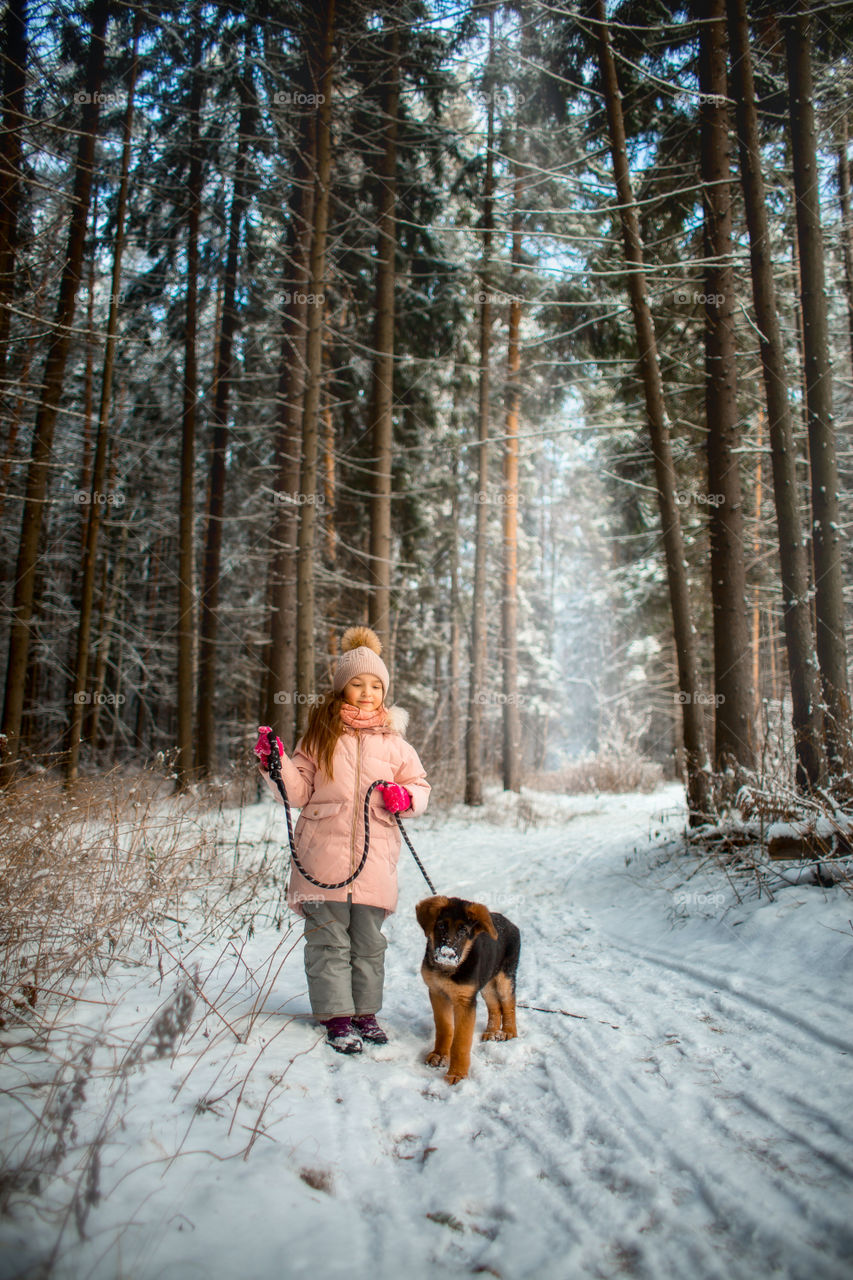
[(352, 863)]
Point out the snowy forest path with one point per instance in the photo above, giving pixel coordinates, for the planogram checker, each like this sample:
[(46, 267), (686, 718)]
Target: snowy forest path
[(684, 1120), (677, 1102)]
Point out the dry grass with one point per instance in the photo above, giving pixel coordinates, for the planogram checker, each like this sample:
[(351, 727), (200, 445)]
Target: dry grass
[(119, 870), (83, 873), (750, 802), (50, 1145), (612, 770), (102, 873), (618, 765)]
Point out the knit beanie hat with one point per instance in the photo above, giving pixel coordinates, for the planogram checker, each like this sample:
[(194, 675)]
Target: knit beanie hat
[(360, 650)]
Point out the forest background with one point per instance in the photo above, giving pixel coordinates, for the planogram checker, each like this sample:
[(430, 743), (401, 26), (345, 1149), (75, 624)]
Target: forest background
[(522, 332)]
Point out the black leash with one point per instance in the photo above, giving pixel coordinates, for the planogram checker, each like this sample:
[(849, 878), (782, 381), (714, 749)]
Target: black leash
[(275, 774), (405, 836)]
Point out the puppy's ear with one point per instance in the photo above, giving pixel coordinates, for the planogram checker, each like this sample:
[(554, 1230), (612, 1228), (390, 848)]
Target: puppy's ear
[(479, 915), (427, 912)]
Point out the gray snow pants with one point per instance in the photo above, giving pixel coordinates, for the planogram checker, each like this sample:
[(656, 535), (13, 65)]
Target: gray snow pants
[(344, 958)]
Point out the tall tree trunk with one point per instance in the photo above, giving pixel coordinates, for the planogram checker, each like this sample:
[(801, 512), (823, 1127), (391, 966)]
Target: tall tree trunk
[(454, 718), (89, 372), (382, 397), (48, 408), (209, 601), (144, 726), (97, 496), (476, 693), (829, 586), (846, 223), (734, 700), (11, 145), (185, 763), (509, 600), (453, 702), (113, 586), (329, 483), (322, 65), (281, 664), (793, 559), (11, 440), (696, 757), (758, 490)]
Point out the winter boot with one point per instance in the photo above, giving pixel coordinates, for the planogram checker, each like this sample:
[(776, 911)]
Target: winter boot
[(342, 1035), (369, 1029)]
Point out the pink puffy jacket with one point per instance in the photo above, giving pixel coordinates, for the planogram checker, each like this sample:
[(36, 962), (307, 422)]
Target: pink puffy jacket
[(329, 835)]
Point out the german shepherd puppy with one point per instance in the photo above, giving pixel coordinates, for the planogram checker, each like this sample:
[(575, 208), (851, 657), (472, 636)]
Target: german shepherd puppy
[(468, 949)]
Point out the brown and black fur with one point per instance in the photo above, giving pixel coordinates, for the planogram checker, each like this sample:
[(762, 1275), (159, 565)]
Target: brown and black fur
[(480, 951)]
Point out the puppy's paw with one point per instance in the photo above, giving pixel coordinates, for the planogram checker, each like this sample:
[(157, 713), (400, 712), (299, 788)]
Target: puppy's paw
[(436, 1059), (494, 1035), (452, 1078)]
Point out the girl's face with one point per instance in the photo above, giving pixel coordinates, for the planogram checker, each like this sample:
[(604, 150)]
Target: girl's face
[(364, 692)]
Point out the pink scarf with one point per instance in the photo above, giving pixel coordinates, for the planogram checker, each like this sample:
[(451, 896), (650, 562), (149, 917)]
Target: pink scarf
[(358, 720)]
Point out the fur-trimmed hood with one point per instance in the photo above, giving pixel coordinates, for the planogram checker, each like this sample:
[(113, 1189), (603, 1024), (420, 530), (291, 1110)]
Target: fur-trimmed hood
[(398, 720)]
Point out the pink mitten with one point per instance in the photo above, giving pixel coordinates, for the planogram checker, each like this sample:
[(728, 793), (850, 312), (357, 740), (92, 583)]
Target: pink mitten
[(262, 746), (397, 798)]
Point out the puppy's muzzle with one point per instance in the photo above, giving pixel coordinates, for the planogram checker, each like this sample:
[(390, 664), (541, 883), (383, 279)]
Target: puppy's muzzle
[(446, 957)]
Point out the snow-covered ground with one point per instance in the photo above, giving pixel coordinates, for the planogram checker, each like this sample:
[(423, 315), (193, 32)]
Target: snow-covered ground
[(678, 1103)]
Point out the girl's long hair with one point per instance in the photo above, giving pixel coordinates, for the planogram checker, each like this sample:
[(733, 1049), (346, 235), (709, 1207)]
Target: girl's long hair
[(325, 726)]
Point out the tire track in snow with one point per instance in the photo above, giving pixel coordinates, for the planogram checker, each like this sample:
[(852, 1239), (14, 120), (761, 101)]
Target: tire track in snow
[(730, 984), (723, 1183), (656, 1150), (723, 1177), (797, 1052)]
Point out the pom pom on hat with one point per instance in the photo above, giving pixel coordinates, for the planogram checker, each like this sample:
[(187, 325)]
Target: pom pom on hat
[(360, 650), (360, 638)]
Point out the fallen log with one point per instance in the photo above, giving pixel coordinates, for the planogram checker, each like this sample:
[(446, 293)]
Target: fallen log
[(794, 845)]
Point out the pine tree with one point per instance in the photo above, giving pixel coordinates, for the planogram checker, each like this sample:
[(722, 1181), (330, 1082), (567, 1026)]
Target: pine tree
[(802, 667), (99, 466), (698, 773), (734, 700), (382, 393), (829, 587), (322, 71), (51, 391)]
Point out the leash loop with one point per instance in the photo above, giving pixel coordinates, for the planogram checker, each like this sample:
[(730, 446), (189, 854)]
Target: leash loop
[(275, 774)]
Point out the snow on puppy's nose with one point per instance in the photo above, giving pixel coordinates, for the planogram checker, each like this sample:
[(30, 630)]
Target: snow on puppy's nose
[(447, 957)]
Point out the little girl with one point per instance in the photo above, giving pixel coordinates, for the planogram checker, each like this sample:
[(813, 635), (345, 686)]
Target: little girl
[(351, 741)]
